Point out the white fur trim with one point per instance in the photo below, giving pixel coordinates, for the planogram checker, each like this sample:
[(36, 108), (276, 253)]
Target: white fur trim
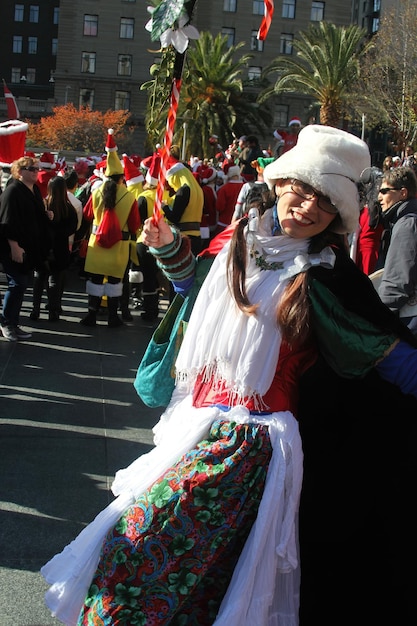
[(113, 291), (94, 290), (135, 180), (175, 168)]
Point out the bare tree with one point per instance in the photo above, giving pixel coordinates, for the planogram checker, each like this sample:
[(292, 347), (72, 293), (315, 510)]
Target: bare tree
[(387, 91)]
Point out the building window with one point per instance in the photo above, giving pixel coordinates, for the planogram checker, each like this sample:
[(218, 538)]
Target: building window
[(32, 45), (255, 43), (254, 74), (317, 11), (17, 44), (280, 116), (258, 7), (122, 101), (377, 5), (288, 9), (124, 65), (375, 24), (15, 75), (86, 98), (34, 13), (90, 25), (285, 45), (127, 27), (54, 47), (19, 11), (229, 6), (56, 15), (88, 62), (230, 34), (31, 75)]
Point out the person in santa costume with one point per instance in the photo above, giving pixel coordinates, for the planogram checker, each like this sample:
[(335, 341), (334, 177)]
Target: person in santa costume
[(106, 267), (287, 138), (146, 198), (287, 451)]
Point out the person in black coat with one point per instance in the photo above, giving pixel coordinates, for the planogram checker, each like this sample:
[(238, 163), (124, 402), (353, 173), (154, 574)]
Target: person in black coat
[(24, 240), (52, 273)]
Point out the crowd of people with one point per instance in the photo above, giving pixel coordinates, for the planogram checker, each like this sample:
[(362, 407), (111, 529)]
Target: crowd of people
[(202, 197)]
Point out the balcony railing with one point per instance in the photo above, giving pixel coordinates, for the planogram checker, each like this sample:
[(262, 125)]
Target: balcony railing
[(28, 107)]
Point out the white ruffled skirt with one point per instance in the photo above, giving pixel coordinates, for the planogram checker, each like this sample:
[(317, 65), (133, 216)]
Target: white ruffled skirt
[(265, 585)]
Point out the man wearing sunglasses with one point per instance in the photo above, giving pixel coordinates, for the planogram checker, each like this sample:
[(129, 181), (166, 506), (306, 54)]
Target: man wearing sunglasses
[(24, 241), (398, 252)]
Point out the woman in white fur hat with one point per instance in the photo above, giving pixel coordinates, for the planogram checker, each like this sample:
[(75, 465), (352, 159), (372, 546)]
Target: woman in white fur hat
[(289, 438)]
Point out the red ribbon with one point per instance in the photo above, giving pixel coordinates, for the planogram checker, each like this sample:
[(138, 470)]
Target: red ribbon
[(266, 22)]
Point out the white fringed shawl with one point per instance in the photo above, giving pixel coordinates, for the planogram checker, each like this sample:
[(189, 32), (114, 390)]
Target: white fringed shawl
[(229, 346)]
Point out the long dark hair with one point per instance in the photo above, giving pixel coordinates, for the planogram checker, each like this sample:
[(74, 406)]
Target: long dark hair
[(57, 199), (109, 191), (293, 313)]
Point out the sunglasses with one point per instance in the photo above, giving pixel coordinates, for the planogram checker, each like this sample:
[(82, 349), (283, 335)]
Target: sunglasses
[(385, 190), (31, 168)]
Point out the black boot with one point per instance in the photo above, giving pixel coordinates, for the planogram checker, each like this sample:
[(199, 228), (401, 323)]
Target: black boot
[(54, 290), (38, 284), (93, 305), (150, 307), (124, 302), (114, 319)]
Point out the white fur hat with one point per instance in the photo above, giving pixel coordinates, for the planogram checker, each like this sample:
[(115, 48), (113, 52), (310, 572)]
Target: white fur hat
[(331, 161)]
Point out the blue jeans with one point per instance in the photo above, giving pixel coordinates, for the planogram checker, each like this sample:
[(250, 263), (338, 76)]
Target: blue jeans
[(17, 283)]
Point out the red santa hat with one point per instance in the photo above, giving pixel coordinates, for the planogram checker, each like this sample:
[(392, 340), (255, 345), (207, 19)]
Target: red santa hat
[(81, 166), (132, 174), (99, 168), (114, 165), (12, 141), (209, 174), (294, 121), (233, 170), (29, 153), (136, 159), (154, 166), (47, 161)]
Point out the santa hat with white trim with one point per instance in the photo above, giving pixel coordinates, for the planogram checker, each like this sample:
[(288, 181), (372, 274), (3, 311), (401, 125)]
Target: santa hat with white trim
[(132, 175), (12, 141), (154, 165), (114, 164), (47, 161)]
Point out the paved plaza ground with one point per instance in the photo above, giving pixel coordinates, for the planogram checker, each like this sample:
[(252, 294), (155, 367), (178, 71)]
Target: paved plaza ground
[(69, 418)]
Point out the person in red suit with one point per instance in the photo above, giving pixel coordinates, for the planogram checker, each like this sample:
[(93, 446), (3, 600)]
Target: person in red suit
[(288, 137), (227, 197)]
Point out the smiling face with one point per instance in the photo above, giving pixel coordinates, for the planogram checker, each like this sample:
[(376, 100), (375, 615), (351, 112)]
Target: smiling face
[(300, 217)]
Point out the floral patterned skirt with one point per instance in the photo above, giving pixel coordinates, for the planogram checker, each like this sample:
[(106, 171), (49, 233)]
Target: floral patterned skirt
[(170, 557)]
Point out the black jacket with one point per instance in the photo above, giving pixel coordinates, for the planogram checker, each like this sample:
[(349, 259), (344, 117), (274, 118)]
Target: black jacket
[(23, 219)]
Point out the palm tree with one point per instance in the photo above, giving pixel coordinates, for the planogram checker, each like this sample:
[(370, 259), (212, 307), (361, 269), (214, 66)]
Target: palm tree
[(211, 98), (326, 67)]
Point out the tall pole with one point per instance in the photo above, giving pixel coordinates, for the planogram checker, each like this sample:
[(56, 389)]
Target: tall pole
[(184, 136)]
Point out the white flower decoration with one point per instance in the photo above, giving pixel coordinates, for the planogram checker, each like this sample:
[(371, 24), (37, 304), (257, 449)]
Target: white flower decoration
[(177, 37)]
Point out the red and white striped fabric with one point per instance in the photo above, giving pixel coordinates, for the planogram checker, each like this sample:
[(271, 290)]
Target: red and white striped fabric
[(13, 112), (165, 150), (267, 20)]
